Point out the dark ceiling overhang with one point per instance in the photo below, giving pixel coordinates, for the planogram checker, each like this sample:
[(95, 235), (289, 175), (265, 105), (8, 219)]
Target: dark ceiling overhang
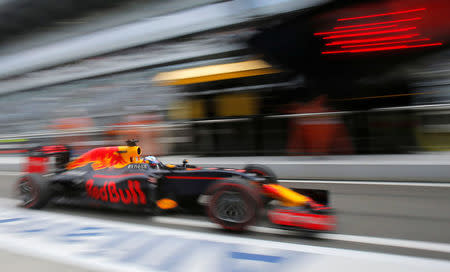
[(18, 16)]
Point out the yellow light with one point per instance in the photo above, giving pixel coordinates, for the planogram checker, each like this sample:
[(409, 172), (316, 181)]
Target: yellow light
[(214, 72)]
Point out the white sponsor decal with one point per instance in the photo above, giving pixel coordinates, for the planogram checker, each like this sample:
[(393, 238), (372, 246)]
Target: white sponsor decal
[(75, 173)]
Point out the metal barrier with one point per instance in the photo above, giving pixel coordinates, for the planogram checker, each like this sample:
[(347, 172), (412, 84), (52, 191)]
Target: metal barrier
[(264, 135)]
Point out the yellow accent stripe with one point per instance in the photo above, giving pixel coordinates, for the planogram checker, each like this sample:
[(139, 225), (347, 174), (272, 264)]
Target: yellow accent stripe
[(223, 76), (215, 72), (289, 197)]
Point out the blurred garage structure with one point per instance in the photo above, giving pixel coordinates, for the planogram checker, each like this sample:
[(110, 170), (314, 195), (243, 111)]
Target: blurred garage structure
[(226, 78)]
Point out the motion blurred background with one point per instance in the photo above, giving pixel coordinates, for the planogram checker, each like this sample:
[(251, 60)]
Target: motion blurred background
[(347, 97), (226, 78)]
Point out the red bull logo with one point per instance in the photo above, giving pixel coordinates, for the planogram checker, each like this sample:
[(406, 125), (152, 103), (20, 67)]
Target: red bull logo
[(110, 193), (104, 157), (100, 158)]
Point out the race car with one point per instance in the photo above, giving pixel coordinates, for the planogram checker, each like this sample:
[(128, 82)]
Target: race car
[(118, 177)]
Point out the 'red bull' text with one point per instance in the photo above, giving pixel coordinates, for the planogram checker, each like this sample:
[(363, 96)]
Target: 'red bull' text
[(110, 193)]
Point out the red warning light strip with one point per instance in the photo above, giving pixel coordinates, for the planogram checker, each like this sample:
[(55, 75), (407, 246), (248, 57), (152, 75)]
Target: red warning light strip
[(353, 30), (369, 33), (384, 43), (381, 14), (380, 23), (381, 48), (399, 37)]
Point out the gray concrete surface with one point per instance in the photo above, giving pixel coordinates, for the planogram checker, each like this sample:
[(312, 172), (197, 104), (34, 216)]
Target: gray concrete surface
[(16, 262), (397, 211), (139, 227), (390, 211)]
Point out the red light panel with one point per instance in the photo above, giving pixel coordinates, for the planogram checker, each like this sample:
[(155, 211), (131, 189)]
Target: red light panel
[(384, 43), (382, 14), (376, 32), (399, 37), (380, 23), (386, 48), (352, 30), (369, 33)]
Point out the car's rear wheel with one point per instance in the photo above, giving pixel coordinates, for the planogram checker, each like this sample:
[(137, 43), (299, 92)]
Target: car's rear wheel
[(263, 172), (33, 190), (234, 204)]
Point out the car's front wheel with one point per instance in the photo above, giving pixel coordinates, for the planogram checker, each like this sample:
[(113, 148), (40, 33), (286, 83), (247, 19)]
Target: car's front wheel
[(234, 204), (263, 172), (33, 190)]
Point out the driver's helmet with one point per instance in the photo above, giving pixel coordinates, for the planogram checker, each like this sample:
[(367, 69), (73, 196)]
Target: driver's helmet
[(152, 160)]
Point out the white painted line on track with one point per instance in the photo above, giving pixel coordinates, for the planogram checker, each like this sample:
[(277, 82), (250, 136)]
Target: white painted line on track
[(389, 160), (10, 173), (11, 160), (330, 162), (379, 183), (421, 245)]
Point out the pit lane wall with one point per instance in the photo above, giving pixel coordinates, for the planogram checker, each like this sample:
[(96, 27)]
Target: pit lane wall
[(432, 167), (402, 168)]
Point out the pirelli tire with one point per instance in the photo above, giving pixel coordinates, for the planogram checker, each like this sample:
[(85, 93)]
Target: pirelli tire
[(263, 172), (234, 204), (33, 190)]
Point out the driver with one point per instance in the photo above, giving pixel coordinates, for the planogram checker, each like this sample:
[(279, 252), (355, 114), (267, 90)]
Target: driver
[(152, 161)]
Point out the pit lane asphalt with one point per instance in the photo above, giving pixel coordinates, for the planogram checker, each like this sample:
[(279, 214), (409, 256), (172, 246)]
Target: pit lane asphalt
[(15, 262), (351, 223)]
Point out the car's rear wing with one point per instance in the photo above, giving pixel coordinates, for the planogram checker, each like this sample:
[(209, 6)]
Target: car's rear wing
[(47, 159)]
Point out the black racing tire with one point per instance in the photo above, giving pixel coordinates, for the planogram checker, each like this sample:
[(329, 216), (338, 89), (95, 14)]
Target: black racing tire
[(234, 204), (34, 190), (262, 171)]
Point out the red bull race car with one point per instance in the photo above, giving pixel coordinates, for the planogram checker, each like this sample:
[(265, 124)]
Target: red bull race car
[(118, 177)]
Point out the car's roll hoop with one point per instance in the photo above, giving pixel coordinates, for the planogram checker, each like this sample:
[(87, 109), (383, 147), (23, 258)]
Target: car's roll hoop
[(132, 142)]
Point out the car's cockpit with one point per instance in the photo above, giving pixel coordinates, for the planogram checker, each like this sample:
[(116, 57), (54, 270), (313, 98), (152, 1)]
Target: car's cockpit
[(158, 165)]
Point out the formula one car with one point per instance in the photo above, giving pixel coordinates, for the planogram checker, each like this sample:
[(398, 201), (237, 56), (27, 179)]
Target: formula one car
[(118, 177)]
